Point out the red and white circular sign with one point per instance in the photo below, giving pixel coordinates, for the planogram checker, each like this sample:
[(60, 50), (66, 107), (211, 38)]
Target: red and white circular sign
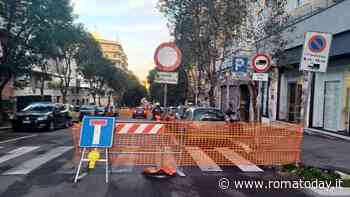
[(167, 57), (261, 63)]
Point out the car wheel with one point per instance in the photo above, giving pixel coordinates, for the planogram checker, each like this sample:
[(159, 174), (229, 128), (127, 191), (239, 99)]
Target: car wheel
[(51, 126)]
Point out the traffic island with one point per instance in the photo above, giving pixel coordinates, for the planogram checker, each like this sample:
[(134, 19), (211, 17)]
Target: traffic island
[(330, 182)]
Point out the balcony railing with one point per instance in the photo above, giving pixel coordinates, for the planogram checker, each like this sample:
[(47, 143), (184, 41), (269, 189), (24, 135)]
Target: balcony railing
[(311, 8)]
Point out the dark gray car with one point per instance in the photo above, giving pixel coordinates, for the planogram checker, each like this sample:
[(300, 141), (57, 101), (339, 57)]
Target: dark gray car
[(203, 114)]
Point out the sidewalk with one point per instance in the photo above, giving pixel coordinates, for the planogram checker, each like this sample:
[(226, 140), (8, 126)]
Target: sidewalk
[(326, 152)]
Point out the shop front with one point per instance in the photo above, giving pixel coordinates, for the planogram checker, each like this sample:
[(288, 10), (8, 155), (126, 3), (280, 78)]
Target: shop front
[(330, 110)]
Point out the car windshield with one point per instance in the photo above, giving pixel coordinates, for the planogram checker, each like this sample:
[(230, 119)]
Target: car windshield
[(208, 114), (100, 109), (39, 108), (87, 107)]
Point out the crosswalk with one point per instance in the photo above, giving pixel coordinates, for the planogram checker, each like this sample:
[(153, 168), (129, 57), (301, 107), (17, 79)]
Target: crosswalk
[(35, 157)]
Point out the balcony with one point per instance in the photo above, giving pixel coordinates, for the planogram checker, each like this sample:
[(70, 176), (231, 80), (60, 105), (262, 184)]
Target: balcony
[(310, 8)]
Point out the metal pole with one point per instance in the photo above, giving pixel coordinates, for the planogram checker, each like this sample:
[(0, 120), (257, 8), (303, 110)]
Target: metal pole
[(165, 94), (79, 166), (107, 166), (307, 95)]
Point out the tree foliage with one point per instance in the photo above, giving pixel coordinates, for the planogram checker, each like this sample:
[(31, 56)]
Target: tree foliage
[(26, 26), (205, 30), (104, 77)]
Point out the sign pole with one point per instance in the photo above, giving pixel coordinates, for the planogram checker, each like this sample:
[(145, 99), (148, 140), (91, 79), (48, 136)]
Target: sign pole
[(307, 95), (165, 94)]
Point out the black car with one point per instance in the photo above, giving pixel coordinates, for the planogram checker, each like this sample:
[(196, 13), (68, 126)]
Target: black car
[(47, 116), (139, 112)]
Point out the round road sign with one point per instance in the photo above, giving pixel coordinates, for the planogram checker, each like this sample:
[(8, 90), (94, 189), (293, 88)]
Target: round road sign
[(261, 63), (317, 43), (167, 57)]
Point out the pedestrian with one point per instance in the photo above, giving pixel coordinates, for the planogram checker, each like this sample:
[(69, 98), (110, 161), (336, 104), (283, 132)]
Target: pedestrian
[(230, 114)]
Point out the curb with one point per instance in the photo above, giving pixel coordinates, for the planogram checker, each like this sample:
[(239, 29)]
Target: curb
[(333, 192), (326, 134)]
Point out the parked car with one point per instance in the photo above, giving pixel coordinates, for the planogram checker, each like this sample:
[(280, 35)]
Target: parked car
[(180, 111), (87, 110), (100, 111), (139, 112), (73, 112), (203, 114), (41, 115)]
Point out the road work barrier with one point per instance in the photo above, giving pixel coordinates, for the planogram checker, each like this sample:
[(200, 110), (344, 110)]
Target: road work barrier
[(126, 113), (202, 143)]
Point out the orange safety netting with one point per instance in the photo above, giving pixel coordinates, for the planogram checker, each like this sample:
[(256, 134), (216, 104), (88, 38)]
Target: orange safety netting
[(193, 143)]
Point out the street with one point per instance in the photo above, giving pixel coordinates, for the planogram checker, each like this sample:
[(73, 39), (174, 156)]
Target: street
[(42, 166)]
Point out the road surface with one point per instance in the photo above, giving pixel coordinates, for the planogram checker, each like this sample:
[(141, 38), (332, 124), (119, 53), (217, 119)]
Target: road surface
[(40, 164)]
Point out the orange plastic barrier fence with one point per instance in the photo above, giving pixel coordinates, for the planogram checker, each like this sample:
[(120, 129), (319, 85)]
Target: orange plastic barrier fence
[(126, 112), (226, 144)]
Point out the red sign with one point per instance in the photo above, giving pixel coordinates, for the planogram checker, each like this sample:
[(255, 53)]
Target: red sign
[(98, 122), (167, 57), (261, 63), (317, 43)]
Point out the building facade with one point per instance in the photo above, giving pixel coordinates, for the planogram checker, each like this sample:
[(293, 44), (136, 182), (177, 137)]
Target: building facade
[(328, 103), (112, 50)]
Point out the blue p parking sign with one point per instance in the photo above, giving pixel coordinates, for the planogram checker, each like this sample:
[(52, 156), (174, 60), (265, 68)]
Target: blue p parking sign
[(240, 65), (97, 132)]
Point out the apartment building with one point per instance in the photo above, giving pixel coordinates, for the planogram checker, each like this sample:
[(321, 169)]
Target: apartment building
[(330, 91)]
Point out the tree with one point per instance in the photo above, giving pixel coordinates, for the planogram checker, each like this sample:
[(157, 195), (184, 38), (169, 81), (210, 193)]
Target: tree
[(134, 93), (206, 29), (266, 34), (66, 47), (44, 40), (23, 20)]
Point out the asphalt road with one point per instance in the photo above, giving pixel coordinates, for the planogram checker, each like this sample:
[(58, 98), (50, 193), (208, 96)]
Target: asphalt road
[(40, 164)]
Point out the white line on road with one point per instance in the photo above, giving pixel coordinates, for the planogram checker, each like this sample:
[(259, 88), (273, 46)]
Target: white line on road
[(19, 138), (17, 152), (204, 162), (241, 162), (30, 165)]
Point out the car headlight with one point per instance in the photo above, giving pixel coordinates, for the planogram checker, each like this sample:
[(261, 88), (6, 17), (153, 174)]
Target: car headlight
[(42, 118)]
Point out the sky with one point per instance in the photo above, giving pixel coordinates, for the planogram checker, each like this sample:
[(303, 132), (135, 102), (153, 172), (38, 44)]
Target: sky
[(136, 24)]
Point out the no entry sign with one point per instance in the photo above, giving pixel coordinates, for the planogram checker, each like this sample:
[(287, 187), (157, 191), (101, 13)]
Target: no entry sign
[(316, 51), (167, 57), (261, 63)]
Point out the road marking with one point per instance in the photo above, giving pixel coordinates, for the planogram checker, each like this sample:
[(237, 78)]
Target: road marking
[(242, 163), (204, 162), (244, 146), (124, 163), (19, 138), (17, 152), (30, 165)]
